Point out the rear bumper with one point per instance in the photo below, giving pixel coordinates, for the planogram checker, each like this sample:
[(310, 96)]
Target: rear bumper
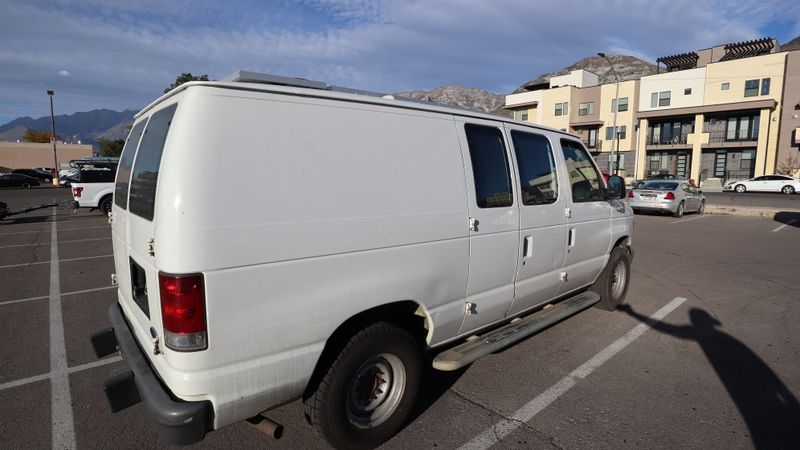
[(177, 422), (670, 206)]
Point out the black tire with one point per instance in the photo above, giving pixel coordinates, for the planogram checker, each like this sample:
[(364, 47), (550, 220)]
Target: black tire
[(612, 285), (702, 208), (105, 205), (788, 190), (681, 209), (740, 188), (334, 405), (26, 186)]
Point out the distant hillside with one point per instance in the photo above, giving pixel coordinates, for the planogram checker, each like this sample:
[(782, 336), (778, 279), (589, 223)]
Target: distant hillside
[(87, 127), (627, 67), (462, 97), (794, 44)]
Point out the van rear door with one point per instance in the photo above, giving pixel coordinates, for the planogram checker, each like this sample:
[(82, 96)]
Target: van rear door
[(133, 224)]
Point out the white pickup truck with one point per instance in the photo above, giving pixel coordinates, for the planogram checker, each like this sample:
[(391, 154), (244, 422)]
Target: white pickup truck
[(95, 186)]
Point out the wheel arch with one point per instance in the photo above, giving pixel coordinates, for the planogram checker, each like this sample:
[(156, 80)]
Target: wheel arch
[(408, 314)]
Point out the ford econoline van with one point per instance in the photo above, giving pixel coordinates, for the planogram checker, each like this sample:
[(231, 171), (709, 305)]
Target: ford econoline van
[(373, 231)]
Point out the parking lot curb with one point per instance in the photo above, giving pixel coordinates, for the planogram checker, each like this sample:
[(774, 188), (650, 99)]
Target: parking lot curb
[(747, 211)]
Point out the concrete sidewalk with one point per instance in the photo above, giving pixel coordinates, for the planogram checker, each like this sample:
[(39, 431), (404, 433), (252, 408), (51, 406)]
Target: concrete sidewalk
[(750, 211)]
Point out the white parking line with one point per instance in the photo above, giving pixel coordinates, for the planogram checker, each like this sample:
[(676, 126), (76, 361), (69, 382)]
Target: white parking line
[(73, 369), (784, 225), (691, 218), (60, 260), (61, 230), (83, 291), (63, 434), (505, 427), (62, 242)]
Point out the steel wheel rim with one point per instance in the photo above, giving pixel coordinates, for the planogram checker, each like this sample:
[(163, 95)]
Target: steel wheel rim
[(375, 391), (618, 279)]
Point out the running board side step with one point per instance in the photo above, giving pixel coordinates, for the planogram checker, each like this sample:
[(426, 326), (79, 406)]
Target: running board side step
[(480, 346)]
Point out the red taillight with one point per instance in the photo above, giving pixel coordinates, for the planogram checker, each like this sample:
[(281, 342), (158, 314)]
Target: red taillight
[(669, 196), (76, 191), (183, 311), (630, 194)]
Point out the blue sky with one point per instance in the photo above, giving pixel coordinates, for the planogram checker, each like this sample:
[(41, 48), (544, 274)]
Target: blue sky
[(121, 54)]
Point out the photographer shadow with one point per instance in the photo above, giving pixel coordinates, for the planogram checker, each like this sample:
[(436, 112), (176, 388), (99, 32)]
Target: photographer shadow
[(770, 410)]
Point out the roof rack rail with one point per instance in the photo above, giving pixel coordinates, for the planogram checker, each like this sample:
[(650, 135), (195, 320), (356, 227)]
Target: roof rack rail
[(242, 76)]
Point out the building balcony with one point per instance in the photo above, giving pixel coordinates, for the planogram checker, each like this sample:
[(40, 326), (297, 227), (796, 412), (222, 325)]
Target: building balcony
[(723, 137), (667, 141)]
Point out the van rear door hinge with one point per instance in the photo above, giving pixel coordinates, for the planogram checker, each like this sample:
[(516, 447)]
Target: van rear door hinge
[(471, 309), (473, 224), (151, 247)]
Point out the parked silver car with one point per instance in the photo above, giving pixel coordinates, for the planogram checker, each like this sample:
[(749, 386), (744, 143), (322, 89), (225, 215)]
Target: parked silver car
[(673, 196)]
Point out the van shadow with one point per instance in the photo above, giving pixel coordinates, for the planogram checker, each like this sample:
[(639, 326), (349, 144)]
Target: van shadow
[(435, 383), (788, 218), (769, 409)]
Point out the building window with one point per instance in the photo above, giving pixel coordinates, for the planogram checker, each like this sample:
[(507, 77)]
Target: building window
[(610, 132), (562, 109), (623, 104), (524, 115), (747, 162), (687, 91), (521, 114), (654, 99), (751, 88), (725, 86), (663, 98), (765, 86), (586, 109), (743, 128)]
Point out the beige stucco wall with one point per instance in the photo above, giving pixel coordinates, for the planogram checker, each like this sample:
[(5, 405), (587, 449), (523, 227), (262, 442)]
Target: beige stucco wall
[(522, 98), (24, 155), (548, 104), (676, 83), (624, 118), (736, 72), (578, 78)]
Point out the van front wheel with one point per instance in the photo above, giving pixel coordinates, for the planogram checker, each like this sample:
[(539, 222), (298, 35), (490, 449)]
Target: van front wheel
[(613, 282), (368, 391)]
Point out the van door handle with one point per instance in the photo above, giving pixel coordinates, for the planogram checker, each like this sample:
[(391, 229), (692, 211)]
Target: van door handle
[(571, 237), (527, 247)]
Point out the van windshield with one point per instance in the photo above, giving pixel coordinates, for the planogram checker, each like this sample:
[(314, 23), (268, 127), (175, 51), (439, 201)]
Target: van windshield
[(148, 159)]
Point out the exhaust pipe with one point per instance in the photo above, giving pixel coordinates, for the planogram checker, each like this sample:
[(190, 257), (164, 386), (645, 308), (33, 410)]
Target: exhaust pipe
[(266, 426)]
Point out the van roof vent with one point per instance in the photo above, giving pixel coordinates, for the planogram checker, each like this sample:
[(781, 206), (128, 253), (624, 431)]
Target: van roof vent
[(242, 76)]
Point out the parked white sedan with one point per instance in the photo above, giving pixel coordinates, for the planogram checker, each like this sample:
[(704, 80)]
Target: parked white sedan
[(766, 183)]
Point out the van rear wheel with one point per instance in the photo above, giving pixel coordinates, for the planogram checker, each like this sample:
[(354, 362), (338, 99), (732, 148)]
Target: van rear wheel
[(367, 393), (612, 285)]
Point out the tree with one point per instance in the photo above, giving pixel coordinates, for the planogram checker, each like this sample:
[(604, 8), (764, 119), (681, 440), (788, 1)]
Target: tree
[(185, 78), (110, 147), (37, 136)]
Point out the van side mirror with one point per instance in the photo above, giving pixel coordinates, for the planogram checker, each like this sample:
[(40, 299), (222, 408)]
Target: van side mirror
[(616, 187)]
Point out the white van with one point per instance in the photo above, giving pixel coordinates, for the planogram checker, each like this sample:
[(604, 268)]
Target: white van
[(368, 231)]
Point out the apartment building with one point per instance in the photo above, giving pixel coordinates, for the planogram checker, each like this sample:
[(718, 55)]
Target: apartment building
[(577, 103), (714, 115)]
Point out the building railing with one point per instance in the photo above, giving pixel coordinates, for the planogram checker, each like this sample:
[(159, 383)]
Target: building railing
[(595, 144), (716, 137), (676, 139)]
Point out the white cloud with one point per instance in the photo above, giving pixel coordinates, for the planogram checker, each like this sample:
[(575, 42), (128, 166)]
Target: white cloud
[(129, 51), (64, 73)]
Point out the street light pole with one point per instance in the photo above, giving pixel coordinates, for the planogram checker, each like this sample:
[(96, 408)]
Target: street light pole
[(612, 166), (53, 136)]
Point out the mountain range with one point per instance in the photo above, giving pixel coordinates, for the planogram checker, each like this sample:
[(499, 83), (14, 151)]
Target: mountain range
[(90, 127)]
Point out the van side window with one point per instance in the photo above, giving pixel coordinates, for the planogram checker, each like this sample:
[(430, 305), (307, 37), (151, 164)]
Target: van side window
[(148, 159), (487, 151), (537, 170), (583, 176), (126, 164)]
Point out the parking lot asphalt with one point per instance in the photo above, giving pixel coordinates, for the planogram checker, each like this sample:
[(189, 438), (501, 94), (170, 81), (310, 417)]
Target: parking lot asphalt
[(705, 355)]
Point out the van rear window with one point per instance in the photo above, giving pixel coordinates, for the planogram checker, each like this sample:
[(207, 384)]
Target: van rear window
[(148, 159), (126, 164)]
